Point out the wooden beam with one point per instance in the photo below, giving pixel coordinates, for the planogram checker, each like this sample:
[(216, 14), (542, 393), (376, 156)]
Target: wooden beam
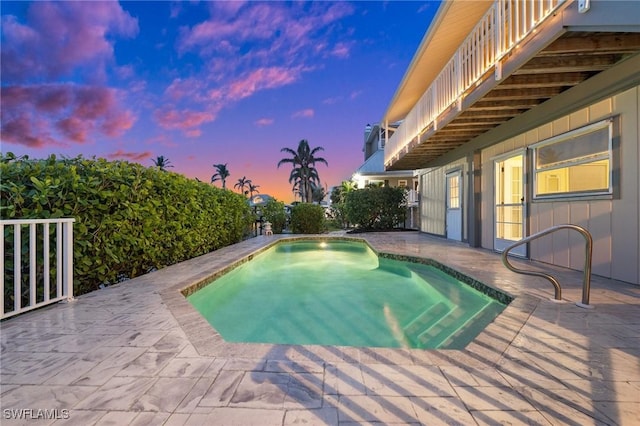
[(480, 114), (473, 123), (501, 94), (594, 43), (507, 104), (569, 63), (544, 80)]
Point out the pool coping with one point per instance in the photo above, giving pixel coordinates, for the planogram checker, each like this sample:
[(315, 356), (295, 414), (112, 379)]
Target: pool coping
[(487, 346)]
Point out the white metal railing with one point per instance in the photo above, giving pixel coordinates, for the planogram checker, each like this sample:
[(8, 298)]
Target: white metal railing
[(412, 196), (25, 288), (504, 25)]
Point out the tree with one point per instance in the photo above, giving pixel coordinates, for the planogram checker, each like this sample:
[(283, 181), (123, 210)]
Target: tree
[(221, 174), (318, 193), (376, 207), (338, 201), (253, 189), (303, 173), (243, 183), (162, 163)]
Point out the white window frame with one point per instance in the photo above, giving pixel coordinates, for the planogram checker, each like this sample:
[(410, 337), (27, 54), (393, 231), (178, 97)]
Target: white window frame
[(567, 136)]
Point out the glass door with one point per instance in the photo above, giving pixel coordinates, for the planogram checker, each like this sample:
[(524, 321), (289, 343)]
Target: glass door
[(509, 203), (454, 206)]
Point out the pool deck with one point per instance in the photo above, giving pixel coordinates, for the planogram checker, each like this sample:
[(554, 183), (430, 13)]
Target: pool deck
[(137, 353)]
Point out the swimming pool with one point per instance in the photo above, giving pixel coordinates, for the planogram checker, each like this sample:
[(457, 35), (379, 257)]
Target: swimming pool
[(338, 292)]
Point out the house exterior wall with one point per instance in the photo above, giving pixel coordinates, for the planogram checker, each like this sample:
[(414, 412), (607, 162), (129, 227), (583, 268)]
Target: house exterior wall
[(612, 220), (432, 198)]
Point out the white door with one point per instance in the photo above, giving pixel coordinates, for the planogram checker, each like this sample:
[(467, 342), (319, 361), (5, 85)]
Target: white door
[(454, 206), (509, 203)]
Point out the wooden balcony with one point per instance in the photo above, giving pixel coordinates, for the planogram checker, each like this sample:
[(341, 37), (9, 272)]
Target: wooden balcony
[(520, 55)]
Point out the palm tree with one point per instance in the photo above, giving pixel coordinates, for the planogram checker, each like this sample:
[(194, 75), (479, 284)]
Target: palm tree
[(304, 173), (162, 162), (339, 193), (253, 189), (221, 174), (242, 183), (318, 192)]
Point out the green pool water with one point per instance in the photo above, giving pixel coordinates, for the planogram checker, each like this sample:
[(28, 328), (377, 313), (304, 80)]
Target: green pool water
[(340, 293)]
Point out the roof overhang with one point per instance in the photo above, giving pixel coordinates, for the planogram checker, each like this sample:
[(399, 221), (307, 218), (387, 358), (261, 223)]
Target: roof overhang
[(452, 23), (563, 54)]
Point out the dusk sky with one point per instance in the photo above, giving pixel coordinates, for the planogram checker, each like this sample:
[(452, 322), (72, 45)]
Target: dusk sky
[(204, 82)]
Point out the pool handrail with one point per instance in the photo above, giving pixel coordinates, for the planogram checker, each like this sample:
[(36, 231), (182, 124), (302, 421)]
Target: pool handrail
[(586, 283)]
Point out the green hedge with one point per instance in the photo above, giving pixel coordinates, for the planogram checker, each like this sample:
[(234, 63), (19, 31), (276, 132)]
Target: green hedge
[(130, 219), (274, 213), (377, 208), (307, 219)]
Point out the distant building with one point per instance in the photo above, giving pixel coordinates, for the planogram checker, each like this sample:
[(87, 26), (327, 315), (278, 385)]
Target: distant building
[(372, 171)]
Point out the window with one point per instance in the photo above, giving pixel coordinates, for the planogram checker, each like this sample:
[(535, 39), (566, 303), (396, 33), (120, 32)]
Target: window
[(454, 191), (402, 183), (575, 163)]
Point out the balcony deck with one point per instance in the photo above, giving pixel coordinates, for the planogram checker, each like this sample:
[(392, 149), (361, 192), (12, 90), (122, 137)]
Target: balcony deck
[(557, 55)]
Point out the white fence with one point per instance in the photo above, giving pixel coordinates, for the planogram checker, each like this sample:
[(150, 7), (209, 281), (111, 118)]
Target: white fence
[(28, 280), (506, 23), (412, 196)]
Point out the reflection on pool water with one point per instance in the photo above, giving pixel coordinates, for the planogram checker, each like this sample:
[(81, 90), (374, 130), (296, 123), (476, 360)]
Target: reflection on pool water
[(338, 292)]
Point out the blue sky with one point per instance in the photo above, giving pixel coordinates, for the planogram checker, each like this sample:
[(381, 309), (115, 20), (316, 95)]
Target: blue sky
[(204, 82)]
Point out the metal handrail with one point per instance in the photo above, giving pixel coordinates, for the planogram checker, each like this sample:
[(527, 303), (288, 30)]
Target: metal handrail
[(586, 284)]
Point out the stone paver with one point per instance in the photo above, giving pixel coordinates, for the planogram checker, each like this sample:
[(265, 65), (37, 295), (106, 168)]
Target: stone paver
[(137, 353)]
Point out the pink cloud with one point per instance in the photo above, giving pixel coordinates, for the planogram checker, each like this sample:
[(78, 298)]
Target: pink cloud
[(27, 131), (193, 133), (332, 101), (305, 113), (61, 37), (285, 39), (162, 139), (133, 156), (185, 120), (260, 79), (184, 88), (264, 122), (280, 35), (258, 21), (341, 50), (56, 114)]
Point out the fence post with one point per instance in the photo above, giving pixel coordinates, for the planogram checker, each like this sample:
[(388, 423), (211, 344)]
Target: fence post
[(68, 260)]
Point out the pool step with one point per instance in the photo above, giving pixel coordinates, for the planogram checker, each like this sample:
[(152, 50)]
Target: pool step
[(471, 327), (433, 336), (426, 320), (394, 267)]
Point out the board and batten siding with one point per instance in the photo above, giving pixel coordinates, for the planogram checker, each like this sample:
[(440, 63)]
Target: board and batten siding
[(433, 202), (614, 222)]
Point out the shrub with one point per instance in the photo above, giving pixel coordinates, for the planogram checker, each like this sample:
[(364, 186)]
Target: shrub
[(376, 207), (274, 212), (129, 219), (307, 219)]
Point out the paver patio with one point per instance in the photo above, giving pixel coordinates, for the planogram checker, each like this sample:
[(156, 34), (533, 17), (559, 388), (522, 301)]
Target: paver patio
[(137, 353)]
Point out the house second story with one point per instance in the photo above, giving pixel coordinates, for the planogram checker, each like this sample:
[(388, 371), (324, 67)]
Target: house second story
[(372, 170), (483, 63)]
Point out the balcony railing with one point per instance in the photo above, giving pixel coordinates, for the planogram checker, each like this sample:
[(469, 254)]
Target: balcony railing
[(504, 25), (412, 196), (38, 267)]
